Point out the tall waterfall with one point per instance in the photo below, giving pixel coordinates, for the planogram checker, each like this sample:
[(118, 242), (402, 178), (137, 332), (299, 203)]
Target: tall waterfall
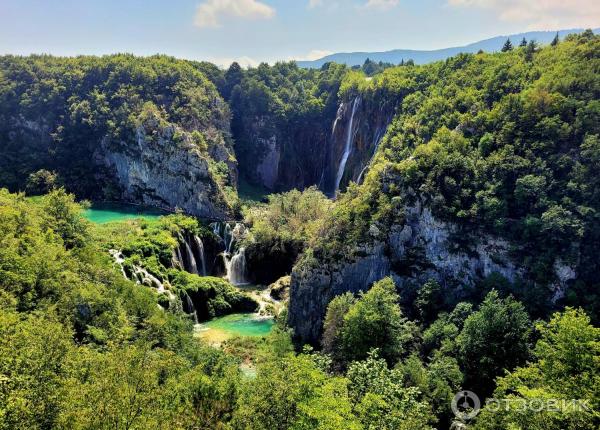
[(348, 147), (236, 268), (201, 254)]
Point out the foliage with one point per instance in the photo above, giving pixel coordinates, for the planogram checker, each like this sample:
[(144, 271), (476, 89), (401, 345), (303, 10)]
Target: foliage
[(494, 338), (56, 113), (566, 369), (376, 321)]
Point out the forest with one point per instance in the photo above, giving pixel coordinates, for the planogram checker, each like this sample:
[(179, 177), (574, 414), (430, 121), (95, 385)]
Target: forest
[(377, 323)]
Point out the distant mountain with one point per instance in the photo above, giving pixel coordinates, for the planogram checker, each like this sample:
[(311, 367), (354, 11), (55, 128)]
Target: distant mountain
[(423, 57)]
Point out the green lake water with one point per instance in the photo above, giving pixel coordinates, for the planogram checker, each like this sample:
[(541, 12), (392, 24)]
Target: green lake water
[(102, 213), (223, 328)]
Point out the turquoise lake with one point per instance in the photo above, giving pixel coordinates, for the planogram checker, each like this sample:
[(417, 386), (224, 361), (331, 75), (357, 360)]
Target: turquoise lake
[(102, 213)]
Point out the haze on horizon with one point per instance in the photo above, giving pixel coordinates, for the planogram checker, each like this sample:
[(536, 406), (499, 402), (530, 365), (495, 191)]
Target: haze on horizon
[(251, 31)]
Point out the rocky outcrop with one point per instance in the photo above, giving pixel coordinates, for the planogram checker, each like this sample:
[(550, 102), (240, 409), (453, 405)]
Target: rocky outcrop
[(164, 167), (420, 249)]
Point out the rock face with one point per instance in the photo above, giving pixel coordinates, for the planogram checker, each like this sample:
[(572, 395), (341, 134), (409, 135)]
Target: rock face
[(359, 125), (420, 249), (284, 156), (165, 168)]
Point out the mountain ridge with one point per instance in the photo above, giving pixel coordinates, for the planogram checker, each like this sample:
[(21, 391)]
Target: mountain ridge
[(395, 56)]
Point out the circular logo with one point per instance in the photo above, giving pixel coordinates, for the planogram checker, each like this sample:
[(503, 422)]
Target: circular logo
[(466, 405)]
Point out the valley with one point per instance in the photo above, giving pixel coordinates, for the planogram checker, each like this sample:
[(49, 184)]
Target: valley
[(293, 248)]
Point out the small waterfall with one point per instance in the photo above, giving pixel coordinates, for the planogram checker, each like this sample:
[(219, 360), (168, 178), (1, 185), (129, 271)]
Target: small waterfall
[(140, 275), (201, 254), (119, 259), (379, 133), (348, 147), (144, 277), (189, 307), (179, 258), (236, 268), (192, 266)]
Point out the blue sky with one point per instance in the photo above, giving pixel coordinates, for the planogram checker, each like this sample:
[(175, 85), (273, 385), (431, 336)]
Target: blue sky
[(267, 30)]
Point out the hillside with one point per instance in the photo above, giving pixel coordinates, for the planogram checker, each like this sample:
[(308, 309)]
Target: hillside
[(487, 176), (148, 130), (396, 56)]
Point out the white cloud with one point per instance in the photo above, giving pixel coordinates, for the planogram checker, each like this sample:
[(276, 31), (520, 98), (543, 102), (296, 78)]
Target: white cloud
[(314, 3), (315, 54), (541, 14), (381, 4), (210, 13), (225, 62)]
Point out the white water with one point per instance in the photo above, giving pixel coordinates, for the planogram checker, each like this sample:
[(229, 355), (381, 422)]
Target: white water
[(191, 308), (379, 133), (141, 275), (193, 266), (200, 249), (348, 147), (236, 268)]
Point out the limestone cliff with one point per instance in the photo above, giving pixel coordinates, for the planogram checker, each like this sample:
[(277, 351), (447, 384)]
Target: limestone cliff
[(164, 167), (413, 252)]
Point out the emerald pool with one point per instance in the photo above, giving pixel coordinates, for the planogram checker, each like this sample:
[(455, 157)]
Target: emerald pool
[(102, 213), (220, 329)]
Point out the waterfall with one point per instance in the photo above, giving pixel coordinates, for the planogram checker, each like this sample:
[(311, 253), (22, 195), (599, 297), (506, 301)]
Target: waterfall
[(189, 308), (179, 258), (379, 133), (140, 275), (201, 256), (348, 147), (119, 259), (191, 260), (236, 268)]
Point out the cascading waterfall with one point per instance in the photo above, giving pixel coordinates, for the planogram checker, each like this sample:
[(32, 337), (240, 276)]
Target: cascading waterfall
[(201, 254), (141, 276), (348, 147), (236, 268)]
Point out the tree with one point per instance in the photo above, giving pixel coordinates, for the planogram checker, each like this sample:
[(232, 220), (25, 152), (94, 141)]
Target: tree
[(376, 321), (523, 43), (381, 400), (508, 46), (42, 182), (291, 392), (530, 50), (331, 340), (63, 216), (233, 77), (493, 339), (555, 41), (430, 301), (565, 369)]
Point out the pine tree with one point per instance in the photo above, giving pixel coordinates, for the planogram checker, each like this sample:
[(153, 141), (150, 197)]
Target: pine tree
[(530, 50), (555, 40), (523, 43), (508, 46)]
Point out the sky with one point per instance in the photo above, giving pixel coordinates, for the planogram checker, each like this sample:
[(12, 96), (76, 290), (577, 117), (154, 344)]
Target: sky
[(251, 31)]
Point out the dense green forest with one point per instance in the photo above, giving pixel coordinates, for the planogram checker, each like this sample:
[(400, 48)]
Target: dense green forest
[(98, 322)]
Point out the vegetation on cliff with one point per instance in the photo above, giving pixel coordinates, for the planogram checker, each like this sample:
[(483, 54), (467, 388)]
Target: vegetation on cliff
[(57, 115), (501, 143)]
